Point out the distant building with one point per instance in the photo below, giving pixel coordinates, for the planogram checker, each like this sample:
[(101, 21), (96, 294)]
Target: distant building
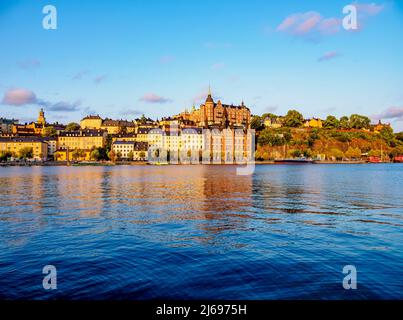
[(273, 122), (14, 145), (33, 128), (379, 126), (82, 139), (6, 125), (91, 122), (125, 148), (313, 123), (218, 114)]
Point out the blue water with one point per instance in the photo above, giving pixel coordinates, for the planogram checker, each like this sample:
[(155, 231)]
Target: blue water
[(202, 232)]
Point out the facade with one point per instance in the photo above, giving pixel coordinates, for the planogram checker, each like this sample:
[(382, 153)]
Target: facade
[(91, 122), (82, 139), (6, 125), (218, 114), (273, 122), (14, 145), (313, 123), (379, 126), (129, 150)]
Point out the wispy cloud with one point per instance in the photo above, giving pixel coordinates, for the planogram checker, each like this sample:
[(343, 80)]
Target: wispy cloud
[(29, 64), (99, 79), (81, 74), (22, 97), (329, 56), (131, 112), (312, 25), (19, 97), (392, 113), (154, 98), (309, 24)]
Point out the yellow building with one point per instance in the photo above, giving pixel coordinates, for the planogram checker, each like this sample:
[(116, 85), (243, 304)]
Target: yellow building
[(379, 126), (272, 122), (14, 146), (73, 155), (118, 126), (313, 123), (82, 139), (212, 114), (91, 122)]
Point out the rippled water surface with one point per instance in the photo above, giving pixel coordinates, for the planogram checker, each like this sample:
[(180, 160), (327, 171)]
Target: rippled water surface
[(195, 232)]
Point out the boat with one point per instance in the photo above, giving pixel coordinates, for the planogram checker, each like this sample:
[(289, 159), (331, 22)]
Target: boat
[(294, 161), (398, 159)]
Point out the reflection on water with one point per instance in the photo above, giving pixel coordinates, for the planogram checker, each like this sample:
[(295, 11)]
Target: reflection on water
[(201, 231)]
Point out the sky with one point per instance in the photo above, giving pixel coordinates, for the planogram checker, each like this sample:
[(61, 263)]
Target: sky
[(121, 59)]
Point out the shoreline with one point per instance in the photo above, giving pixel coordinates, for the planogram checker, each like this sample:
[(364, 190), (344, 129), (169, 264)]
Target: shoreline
[(143, 163)]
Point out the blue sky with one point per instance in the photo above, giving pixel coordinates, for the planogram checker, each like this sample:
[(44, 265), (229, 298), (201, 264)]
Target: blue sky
[(124, 58)]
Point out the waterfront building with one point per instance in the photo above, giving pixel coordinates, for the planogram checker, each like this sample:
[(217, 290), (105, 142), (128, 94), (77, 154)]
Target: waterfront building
[(14, 145), (82, 139), (124, 149), (217, 114)]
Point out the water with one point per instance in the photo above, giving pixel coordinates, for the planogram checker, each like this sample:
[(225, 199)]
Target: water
[(202, 232)]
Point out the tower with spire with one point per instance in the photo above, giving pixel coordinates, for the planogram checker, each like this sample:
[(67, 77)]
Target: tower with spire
[(41, 118)]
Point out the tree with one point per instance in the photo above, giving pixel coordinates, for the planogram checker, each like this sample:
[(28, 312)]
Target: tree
[(119, 156), (72, 126), (397, 151), (296, 153), (95, 154), (49, 132), (293, 119), (142, 155), (4, 155), (112, 155), (256, 123), (344, 123), (268, 137), (353, 153), (130, 156), (359, 122), (387, 134), (331, 122), (336, 154), (26, 153), (399, 136)]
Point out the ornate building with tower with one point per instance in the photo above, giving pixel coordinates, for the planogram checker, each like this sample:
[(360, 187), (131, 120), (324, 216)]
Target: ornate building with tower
[(217, 114)]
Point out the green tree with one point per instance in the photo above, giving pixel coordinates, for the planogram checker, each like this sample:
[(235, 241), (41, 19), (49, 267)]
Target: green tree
[(95, 155), (142, 155), (72, 126), (359, 122), (293, 119), (130, 156), (331, 122), (336, 154), (256, 123), (387, 134), (268, 137), (49, 132), (296, 153), (399, 136), (26, 153), (344, 123), (353, 153), (4, 155)]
